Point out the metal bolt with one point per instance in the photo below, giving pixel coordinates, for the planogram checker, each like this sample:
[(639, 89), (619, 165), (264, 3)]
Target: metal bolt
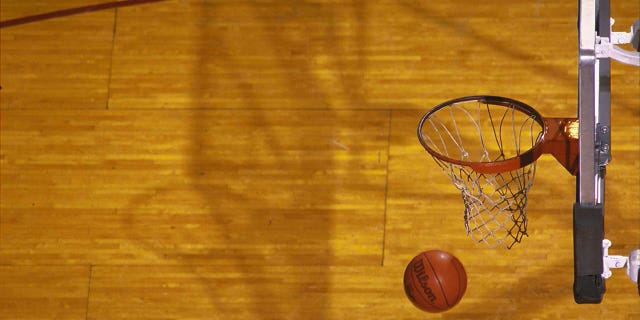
[(604, 129)]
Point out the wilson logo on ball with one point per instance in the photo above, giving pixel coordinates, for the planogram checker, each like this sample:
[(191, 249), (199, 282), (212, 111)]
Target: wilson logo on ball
[(423, 279)]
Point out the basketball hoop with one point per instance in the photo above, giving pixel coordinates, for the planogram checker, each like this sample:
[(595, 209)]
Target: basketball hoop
[(488, 146)]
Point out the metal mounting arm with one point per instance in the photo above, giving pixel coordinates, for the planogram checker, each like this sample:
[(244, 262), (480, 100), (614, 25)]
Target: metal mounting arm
[(606, 47), (632, 263)]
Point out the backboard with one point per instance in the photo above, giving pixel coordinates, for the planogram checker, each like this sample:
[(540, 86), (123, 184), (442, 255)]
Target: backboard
[(597, 44), (594, 145)]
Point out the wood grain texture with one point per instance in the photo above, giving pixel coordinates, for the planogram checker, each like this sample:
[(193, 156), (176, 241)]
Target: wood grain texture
[(44, 292), (197, 159), (58, 63), (337, 54), (194, 186)]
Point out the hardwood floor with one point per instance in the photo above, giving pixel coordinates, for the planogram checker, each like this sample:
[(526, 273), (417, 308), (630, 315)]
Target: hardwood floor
[(190, 159)]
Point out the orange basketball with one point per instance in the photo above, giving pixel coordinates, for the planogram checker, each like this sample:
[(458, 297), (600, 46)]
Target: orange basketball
[(435, 281)]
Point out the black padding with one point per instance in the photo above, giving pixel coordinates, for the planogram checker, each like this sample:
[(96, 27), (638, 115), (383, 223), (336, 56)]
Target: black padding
[(588, 289), (588, 233)]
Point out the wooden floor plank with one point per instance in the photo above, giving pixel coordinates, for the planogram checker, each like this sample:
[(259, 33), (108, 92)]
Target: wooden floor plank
[(257, 292), (340, 54), (43, 292), (194, 187), (58, 63)]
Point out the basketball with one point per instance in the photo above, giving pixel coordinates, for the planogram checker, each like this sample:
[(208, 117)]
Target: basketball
[(435, 281)]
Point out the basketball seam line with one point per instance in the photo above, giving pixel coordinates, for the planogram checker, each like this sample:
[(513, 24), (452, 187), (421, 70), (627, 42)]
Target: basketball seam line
[(435, 275), (458, 267)]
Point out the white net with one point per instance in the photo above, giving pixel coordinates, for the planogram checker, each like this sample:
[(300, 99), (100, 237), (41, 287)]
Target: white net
[(477, 131)]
